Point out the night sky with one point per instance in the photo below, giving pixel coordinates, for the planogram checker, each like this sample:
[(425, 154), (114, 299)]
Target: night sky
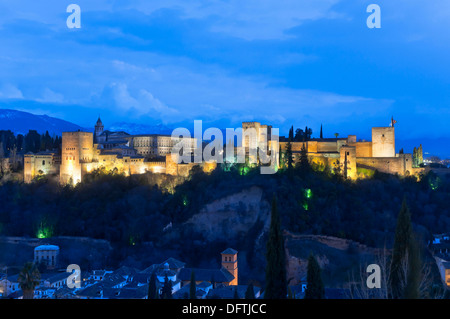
[(286, 62)]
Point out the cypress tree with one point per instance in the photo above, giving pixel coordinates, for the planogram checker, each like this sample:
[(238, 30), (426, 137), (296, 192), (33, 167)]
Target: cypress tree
[(315, 287), (167, 289), (321, 132), (235, 295), (249, 293), (192, 287), (402, 243), (304, 162), (413, 279), (289, 149), (152, 292), (276, 285)]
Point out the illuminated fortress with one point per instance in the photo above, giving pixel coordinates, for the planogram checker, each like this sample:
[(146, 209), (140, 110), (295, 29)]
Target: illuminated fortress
[(83, 152), (347, 155)]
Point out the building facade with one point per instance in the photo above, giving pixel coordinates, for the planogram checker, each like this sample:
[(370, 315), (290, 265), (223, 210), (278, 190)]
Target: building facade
[(347, 155), (83, 152)]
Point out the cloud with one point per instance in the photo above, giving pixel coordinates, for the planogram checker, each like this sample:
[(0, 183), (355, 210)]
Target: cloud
[(49, 96), (142, 103), (9, 91), (249, 19)]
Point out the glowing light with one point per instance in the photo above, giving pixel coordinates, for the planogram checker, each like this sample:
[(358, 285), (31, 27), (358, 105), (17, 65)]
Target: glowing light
[(244, 170), (44, 232), (185, 201), (308, 193), (305, 206)]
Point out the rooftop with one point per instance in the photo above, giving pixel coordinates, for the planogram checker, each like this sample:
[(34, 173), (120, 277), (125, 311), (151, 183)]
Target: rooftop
[(47, 247)]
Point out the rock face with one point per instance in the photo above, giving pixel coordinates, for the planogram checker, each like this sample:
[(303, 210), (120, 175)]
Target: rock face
[(338, 258), (232, 216)]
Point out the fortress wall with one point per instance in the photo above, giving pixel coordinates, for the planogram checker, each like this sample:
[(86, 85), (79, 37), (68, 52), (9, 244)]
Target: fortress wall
[(363, 149), (171, 166), (348, 153), (28, 168), (390, 165), (383, 142), (327, 147), (45, 164), (325, 161), (154, 167)]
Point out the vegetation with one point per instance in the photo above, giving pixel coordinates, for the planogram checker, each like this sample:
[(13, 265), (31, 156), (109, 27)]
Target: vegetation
[(29, 278), (166, 292), (192, 287), (405, 270), (315, 288), (152, 289), (276, 285), (131, 211)]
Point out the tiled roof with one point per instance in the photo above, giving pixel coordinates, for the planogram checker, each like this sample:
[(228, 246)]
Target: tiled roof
[(54, 277), (228, 292), (46, 247), (229, 251), (217, 275), (126, 293)]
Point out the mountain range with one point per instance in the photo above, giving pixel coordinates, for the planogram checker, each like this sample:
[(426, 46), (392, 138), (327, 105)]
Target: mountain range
[(21, 122)]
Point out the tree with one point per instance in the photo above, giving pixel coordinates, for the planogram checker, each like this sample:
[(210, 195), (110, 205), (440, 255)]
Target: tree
[(308, 133), (235, 294), (304, 162), (29, 278), (192, 287), (404, 249), (321, 132), (299, 135), (152, 289), (166, 292), (250, 293), (414, 275), (276, 285), (289, 149), (315, 288)]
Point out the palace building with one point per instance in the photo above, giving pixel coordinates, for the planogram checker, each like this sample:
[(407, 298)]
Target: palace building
[(346, 154), (82, 152)]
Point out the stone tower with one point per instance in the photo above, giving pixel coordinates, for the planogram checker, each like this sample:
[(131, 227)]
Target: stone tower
[(229, 262), (98, 129), (348, 161), (383, 141), (77, 148)]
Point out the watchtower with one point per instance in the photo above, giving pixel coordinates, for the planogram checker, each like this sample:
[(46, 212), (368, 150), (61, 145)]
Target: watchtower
[(230, 263)]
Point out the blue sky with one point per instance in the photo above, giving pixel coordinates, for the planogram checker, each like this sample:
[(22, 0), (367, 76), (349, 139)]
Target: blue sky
[(287, 62)]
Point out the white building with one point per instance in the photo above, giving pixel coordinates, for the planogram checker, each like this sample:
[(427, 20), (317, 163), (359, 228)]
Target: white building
[(47, 254)]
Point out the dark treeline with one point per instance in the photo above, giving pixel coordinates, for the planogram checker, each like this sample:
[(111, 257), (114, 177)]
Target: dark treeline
[(129, 210), (30, 142)]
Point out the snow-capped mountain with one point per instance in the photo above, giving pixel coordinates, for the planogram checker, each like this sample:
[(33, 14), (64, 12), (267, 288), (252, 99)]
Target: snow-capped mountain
[(133, 128), (21, 122)]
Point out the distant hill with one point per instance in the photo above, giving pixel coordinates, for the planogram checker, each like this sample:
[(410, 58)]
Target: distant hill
[(21, 122)]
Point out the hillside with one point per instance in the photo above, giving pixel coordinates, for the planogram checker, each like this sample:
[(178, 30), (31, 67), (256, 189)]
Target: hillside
[(21, 122)]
